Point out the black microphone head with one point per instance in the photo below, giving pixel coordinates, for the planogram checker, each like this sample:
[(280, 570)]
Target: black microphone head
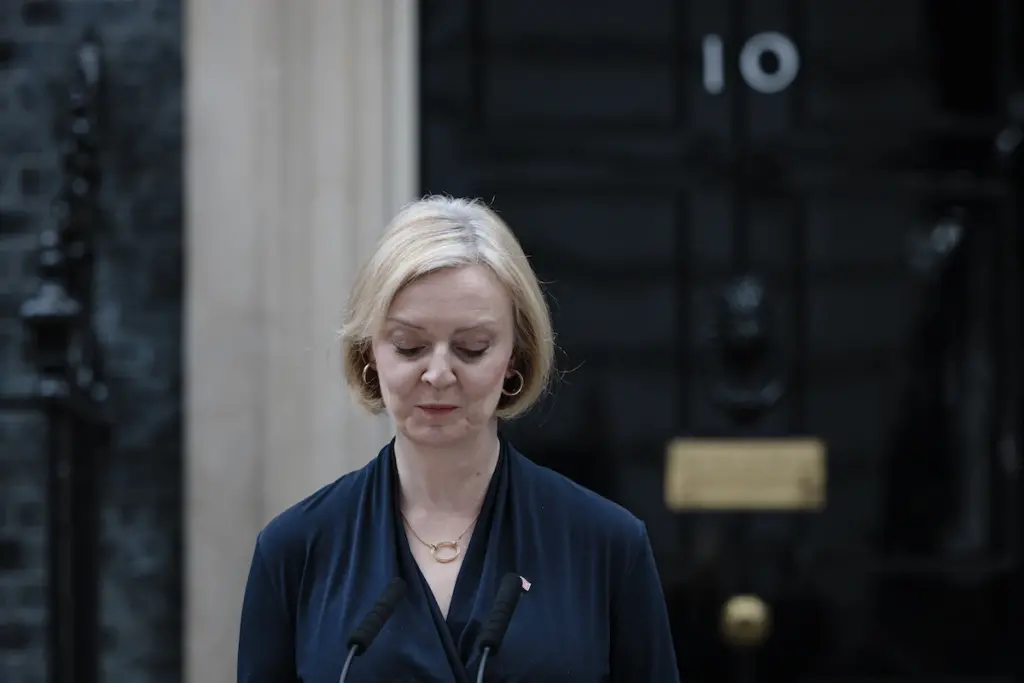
[(505, 602), (364, 634)]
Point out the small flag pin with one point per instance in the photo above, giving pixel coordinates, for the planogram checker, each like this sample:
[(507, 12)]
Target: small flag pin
[(526, 584)]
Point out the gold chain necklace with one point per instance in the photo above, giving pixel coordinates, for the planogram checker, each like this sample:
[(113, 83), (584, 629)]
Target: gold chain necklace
[(435, 548)]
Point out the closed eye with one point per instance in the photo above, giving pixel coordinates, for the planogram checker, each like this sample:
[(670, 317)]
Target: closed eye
[(413, 351)]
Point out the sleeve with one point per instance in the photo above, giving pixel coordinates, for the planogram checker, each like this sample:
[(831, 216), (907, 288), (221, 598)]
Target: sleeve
[(642, 645), (266, 641)]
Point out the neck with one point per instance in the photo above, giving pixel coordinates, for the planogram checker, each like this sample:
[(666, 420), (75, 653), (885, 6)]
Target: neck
[(453, 479)]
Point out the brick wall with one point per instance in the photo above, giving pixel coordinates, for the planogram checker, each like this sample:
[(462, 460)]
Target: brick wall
[(139, 321)]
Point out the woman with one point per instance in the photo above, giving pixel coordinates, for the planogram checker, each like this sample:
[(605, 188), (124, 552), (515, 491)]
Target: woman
[(447, 331)]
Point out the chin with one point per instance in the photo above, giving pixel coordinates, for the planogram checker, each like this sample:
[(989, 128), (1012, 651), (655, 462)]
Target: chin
[(436, 435)]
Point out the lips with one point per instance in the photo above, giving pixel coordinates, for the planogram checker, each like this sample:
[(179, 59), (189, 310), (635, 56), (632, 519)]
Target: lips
[(437, 408)]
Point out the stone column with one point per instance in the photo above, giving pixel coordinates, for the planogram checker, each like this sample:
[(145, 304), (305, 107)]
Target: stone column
[(301, 143)]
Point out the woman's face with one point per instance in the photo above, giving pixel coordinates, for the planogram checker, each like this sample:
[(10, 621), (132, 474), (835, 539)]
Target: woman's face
[(444, 353)]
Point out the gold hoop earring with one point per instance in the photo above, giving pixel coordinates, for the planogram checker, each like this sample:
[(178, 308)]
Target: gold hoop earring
[(366, 368), (522, 385)]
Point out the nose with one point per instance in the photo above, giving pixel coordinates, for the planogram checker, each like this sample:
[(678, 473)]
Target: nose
[(439, 370)]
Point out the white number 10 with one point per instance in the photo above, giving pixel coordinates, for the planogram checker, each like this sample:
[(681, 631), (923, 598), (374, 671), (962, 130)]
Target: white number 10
[(753, 73)]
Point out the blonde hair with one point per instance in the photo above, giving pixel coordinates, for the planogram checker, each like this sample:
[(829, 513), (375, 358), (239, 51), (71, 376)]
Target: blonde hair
[(432, 234)]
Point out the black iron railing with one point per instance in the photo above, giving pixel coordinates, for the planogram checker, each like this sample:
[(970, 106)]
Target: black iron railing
[(69, 391)]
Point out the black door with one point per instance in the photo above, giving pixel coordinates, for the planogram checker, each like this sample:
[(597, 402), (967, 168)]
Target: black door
[(764, 219)]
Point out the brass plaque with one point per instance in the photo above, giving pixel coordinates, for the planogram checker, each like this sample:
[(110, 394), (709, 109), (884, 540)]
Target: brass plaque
[(745, 474)]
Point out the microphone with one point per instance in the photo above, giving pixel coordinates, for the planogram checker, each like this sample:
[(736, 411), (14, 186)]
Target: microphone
[(363, 635), (511, 588)]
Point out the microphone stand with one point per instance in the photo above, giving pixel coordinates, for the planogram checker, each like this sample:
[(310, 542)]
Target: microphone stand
[(348, 662), (483, 665)]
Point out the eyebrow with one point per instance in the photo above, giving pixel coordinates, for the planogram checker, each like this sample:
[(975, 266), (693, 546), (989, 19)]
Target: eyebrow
[(468, 328)]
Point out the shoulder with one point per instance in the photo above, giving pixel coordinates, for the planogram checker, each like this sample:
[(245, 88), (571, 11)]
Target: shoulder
[(586, 512), (294, 533)]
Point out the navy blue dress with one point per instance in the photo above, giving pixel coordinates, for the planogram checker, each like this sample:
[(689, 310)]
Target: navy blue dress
[(594, 611)]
